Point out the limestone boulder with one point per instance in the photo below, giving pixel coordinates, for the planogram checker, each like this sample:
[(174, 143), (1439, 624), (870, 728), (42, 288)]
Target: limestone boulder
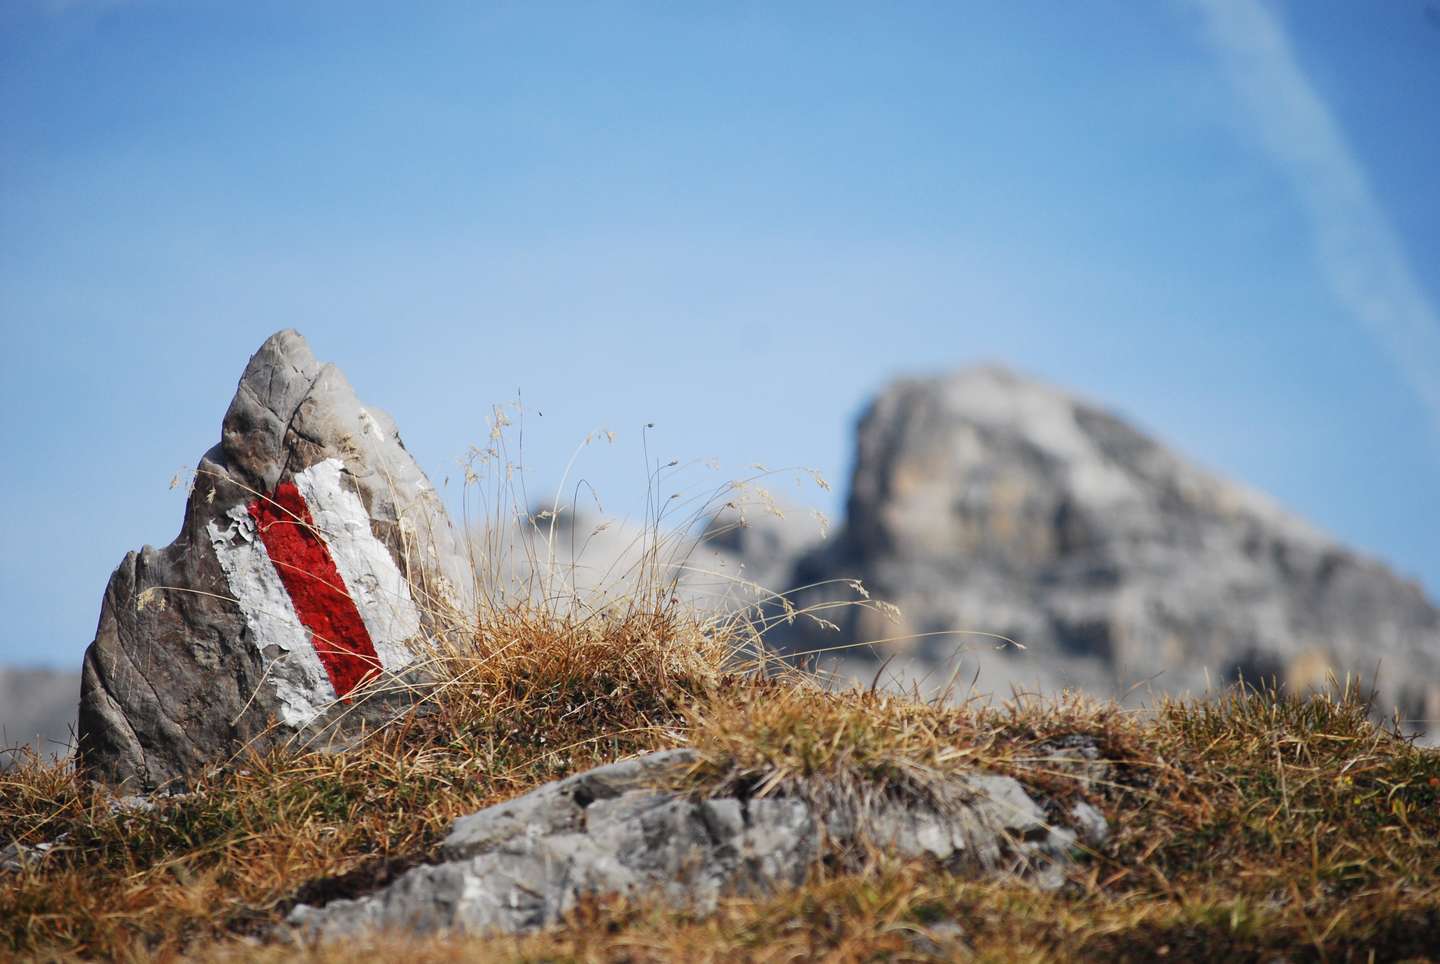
[(618, 831), (313, 554)]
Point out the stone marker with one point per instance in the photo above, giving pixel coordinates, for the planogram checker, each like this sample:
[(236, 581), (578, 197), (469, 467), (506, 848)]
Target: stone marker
[(609, 831), (312, 552)]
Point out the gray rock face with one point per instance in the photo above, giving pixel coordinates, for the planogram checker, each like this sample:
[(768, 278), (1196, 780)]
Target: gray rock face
[(37, 707), (17, 856), (524, 864), (757, 546), (311, 551), (985, 501)]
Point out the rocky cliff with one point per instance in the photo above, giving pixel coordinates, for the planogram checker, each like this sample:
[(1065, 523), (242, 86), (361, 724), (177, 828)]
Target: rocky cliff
[(988, 502)]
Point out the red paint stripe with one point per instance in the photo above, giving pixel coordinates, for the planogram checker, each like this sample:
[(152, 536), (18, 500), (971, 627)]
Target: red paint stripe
[(316, 590)]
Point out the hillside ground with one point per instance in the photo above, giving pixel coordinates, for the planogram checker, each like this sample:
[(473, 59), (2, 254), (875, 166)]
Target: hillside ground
[(1252, 827)]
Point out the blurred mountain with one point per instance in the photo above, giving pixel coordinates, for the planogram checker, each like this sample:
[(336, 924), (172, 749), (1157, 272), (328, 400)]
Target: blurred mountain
[(37, 706), (989, 502)]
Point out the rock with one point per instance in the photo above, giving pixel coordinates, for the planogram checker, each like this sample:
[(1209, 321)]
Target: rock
[(559, 805), (1076, 756), (728, 565), (37, 707), (986, 501), (1089, 823), (942, 941), (134, 803), (312, 551), (757, 544), (614, 831), (17, 856)]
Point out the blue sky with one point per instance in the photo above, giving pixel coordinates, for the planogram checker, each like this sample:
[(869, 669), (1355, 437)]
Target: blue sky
[(734, 220)]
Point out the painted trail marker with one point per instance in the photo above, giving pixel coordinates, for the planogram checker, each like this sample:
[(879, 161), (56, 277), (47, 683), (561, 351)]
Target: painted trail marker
[(320, 593), (275, 608)]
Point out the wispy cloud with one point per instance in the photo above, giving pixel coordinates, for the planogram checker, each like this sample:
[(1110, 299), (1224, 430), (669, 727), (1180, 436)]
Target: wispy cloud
[(1359, 251)]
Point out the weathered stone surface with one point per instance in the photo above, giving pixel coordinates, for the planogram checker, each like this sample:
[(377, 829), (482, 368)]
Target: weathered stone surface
[(985, 501), (757, 546), (609, 831), (309, 535), (17, 856)]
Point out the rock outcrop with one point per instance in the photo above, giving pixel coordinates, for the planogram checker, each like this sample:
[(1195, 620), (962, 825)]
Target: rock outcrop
[(741, 554), (313, 551), (751, 550), (985, 501), (615, 831)]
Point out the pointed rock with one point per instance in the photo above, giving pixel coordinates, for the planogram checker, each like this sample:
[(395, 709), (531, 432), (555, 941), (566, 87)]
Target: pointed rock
[(312, 554)]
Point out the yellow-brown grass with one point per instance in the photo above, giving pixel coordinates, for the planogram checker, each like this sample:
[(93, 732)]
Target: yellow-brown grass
[(1249, 828), (1254, 826)]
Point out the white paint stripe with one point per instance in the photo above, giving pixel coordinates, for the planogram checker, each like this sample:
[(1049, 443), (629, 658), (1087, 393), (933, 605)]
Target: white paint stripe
[(375, 583), (301, 683)]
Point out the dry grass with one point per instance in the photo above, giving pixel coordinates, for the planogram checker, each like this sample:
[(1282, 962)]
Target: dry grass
[(1247, 828), (246, 841), (1252, 828)]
